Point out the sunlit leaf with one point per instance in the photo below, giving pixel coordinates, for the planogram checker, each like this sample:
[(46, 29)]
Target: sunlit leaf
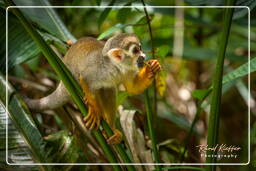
[(240, 71), (46, 18), (161, 83), (111, 31)]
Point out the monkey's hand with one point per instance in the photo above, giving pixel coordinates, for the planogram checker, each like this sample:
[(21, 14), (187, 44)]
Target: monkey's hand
[(151, 69), (144, 78)]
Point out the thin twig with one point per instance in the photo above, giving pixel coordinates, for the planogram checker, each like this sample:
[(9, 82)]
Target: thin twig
[(147, 101), (153, 56)]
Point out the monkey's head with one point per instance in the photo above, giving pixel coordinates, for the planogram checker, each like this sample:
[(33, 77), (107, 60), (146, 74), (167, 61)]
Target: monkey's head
[(125, 50)]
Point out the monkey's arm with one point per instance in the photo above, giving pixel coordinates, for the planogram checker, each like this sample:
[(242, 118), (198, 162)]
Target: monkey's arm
[(144, 78)]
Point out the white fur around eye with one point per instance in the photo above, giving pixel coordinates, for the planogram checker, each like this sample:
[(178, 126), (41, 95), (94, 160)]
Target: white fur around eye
[(131, 49)]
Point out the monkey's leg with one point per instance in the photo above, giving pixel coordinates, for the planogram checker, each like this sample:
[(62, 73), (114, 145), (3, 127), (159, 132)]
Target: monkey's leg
[(144, 78), (107, 100), (94, 116), (116, 138)]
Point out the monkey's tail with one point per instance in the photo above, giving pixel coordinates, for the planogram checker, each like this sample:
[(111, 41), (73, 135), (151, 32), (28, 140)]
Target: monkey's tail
[(57, 98)]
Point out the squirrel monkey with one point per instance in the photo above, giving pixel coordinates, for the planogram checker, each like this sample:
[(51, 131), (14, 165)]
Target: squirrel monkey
[(100, 68)]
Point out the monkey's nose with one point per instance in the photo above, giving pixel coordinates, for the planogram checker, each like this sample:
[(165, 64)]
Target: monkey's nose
[(140, 61)]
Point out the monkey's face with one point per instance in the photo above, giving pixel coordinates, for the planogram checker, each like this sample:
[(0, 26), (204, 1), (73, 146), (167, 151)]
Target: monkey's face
[(129, 57), (137, 55)]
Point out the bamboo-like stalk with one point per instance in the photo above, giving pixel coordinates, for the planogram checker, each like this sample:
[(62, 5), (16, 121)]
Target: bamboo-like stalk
[(148, 105), (153, 56), (214, 118), (74, 89)]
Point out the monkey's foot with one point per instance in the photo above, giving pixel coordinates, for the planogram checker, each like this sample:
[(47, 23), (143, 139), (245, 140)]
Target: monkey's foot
[(116, 138), (92, 120)]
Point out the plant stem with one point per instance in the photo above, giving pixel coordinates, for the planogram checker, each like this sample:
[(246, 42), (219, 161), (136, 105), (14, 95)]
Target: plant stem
[(150, 115), (153, 56), (73, 87), (151, 131), (217, 85)]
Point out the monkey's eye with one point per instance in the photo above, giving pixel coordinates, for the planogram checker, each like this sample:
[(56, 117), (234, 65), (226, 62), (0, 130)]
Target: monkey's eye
[(135, 50)]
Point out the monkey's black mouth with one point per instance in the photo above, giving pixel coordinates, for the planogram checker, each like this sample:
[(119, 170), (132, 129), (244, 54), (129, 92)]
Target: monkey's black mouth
[(140, 61)]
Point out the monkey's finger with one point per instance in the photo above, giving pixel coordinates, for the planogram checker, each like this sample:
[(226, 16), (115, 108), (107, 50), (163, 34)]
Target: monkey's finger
[(155, 65), (150, 75), (85, 101), (88, 123), (151, 62), (98, 123), (87, 117), (93, 123), (156, 68)]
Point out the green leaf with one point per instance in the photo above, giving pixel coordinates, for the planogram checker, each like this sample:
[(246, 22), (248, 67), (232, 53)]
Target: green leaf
[(18, 151), (123, 13), (121, 97), (98, 2), (111, 31), (162, 51), (241, 12), (16, 53), (46, 18), (24, 123), (105, 13), (140, 26), (200, 93), (214, 117), (240, 71)]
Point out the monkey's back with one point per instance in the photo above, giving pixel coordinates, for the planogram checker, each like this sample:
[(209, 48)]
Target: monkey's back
[(75, 57), (84, 58)]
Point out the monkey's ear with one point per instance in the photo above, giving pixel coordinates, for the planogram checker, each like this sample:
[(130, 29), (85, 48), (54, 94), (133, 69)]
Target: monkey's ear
[(116, 54)]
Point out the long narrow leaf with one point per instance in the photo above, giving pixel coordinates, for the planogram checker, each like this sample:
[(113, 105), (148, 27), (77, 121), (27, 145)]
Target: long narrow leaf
[(24, 123), (240, 71), (46, 18), (217, 85)]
